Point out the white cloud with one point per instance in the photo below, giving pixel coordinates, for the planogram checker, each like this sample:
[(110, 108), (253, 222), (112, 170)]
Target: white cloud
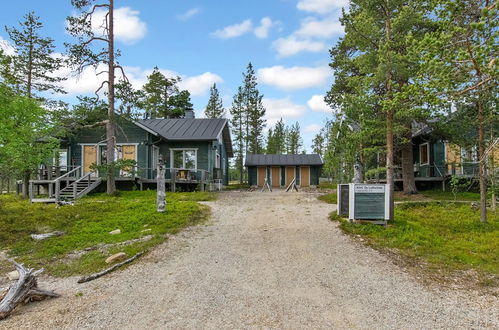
[(321, 6), (234, 30), (317, 103), (291, 45), (293, 78), (6, 46), (88, 82), (282, 108), (189, 14), (199, 85), (128, 28), (313, 128), (313, 28), (262, 31)]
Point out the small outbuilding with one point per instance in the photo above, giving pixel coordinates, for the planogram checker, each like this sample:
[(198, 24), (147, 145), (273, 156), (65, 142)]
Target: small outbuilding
[(281, 170)]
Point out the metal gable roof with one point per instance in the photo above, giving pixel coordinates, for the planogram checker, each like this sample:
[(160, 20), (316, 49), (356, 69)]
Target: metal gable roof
[(185, 129), (189, 129), (283, 160)]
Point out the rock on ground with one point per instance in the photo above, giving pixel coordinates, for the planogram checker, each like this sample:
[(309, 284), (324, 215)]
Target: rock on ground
[(116, 257), (265, 260)]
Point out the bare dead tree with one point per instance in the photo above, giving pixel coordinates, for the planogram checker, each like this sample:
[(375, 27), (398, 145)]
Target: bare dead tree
[(23, 291)]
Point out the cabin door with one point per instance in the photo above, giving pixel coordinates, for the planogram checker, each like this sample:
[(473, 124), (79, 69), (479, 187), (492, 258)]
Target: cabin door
[(89, 157), (128, 153), (276, 177), (305, 176), (290, 175), (262, 172)]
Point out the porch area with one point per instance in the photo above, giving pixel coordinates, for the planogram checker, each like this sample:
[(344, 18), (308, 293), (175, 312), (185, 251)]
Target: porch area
[(57, 184)]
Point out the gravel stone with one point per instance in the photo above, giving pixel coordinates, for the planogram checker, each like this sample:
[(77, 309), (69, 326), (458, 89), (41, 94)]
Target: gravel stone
[(265, 260)]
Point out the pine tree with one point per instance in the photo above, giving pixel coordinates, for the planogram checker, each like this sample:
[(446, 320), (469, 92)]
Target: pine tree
[(295, 142), (239, 130), (271, 146), (256, 124), (179, 104), (373, 71), (254, 112), (157, 92), (460, 56), (276, 141), (86, 53), (214, 108), (130, 98), (33, 64)]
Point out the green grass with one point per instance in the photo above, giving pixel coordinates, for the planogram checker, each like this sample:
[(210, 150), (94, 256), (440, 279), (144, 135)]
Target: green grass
[(446, 236), (448, 195), (88, 223), (237, 186), (329, 198), (327, 185)]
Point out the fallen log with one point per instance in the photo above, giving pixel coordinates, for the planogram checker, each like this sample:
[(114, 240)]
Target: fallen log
[(23, 291), (108, 270)]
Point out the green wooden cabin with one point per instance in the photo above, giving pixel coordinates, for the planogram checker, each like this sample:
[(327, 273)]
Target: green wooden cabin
[(281, 170), (194, 149)]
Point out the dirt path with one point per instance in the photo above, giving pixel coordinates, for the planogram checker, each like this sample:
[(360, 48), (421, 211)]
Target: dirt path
[(266, 260)]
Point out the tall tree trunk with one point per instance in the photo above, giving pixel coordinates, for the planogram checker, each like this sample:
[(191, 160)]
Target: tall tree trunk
[(30, 65), (408, 169), (26, 177), (482, 160), (110, 129), (390, 180), (241, 171)]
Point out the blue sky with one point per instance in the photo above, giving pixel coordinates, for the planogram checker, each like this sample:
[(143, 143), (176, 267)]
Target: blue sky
[(208, 41)]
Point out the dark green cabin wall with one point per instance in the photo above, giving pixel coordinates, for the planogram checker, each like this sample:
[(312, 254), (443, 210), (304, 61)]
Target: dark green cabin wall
[(127, 133), (314, 175), (437, 158), (252, 176), (202, 151), (131, 133)]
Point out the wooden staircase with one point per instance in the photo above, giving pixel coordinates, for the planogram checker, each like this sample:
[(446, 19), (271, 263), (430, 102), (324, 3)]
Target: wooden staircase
[(78, 188), (77, 185)]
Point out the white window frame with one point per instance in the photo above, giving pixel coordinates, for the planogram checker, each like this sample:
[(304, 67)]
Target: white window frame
[(427, 153), (183, 158), (57, 157), (155, 156), (218, 160)]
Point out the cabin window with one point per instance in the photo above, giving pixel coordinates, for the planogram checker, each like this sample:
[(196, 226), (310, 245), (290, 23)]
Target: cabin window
[(217, 162), (469, 154), (155, 156), (424, 154), (61, 159), (184, 159)]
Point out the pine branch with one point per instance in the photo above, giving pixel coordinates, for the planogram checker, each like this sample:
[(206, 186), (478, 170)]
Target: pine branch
[(99, 89)]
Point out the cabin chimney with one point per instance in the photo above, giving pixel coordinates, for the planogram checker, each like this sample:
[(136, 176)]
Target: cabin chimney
[(189, 114)]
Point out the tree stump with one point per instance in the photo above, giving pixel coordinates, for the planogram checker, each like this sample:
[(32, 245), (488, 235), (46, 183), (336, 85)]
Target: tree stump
[(23, 291)]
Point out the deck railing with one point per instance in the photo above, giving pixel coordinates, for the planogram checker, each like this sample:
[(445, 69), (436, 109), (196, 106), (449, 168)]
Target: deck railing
[(465, 169), (75, 173), (177, 174)]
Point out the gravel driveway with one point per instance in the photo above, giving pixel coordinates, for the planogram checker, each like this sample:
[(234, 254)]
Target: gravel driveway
[(265, 260)]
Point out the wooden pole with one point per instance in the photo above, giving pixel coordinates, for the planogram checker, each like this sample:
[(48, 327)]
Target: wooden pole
[(161, 195)]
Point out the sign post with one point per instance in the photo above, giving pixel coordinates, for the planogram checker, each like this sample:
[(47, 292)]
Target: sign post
[(160, 194), (369, 202)]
